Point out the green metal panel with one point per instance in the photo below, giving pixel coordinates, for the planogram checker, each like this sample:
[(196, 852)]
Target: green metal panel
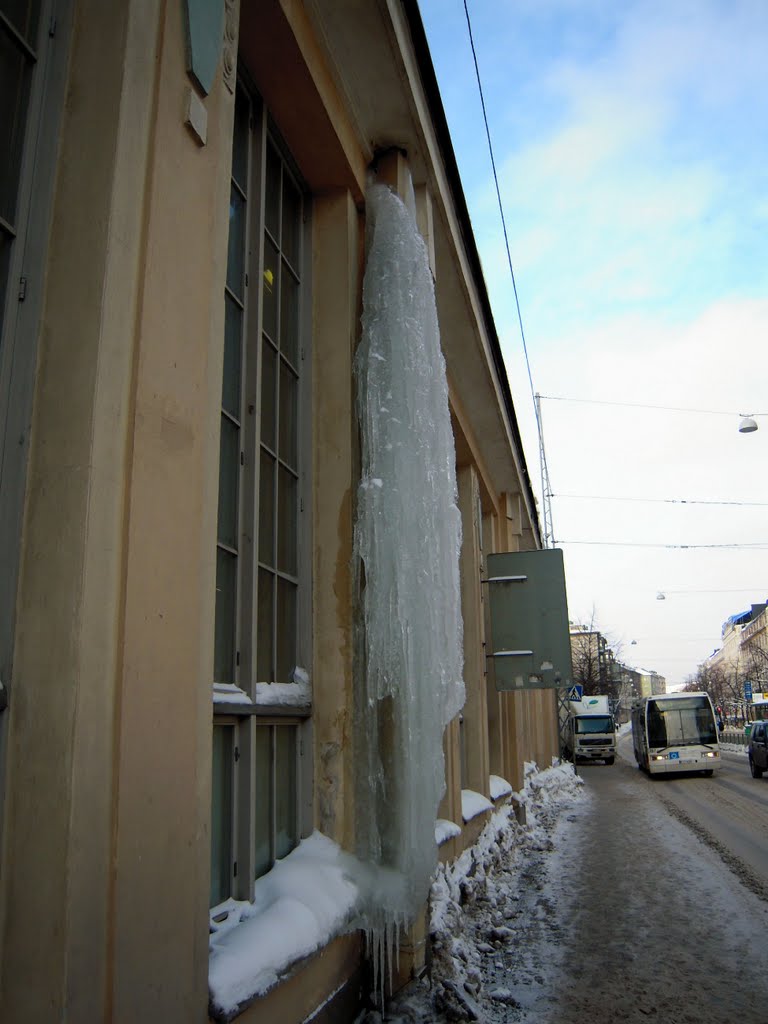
[(205, 32), (530, 646)]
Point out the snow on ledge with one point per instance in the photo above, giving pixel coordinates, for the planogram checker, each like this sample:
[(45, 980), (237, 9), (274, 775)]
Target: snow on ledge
[(445, 830), (283, 695), (499, 787), (228, 693), (297, 694), (473, 804), (304, 902)]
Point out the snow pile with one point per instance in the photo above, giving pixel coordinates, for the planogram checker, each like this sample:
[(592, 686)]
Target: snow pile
[(469, 915), (407, 538)]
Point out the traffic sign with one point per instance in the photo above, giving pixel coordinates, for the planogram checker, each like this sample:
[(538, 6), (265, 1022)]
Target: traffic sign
[(576, 692), (747, 690)]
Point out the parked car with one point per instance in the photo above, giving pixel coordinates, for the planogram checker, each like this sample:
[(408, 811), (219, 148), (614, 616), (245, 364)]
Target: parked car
[(758, 749)]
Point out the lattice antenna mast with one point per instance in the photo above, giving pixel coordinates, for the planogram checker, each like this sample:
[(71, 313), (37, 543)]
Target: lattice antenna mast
[(548, 538)]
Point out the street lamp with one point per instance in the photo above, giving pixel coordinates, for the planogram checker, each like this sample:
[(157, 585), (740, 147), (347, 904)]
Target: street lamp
[(748, 423)]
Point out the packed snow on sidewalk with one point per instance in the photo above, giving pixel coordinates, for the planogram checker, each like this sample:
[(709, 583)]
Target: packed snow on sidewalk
[(481, 908)]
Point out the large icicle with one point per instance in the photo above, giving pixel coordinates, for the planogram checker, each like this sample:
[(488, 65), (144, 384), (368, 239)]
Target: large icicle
[(407, 540)]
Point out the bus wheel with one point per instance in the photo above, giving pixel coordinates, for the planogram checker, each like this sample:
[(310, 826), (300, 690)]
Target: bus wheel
[(707, 773)]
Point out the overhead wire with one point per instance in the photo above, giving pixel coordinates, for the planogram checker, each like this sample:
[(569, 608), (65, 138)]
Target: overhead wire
[(665, 501), (545, 469)]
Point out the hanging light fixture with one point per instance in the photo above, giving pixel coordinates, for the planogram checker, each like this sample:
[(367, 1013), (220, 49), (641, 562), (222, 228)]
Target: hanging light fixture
[(747, 425)]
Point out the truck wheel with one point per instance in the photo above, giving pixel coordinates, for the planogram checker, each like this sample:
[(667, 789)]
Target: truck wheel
[(609, 760)]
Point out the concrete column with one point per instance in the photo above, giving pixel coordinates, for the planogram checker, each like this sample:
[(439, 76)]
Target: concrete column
[(336, 266), (475, 708)]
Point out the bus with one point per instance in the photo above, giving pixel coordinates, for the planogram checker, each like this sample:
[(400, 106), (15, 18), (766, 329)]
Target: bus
[(675, 732)]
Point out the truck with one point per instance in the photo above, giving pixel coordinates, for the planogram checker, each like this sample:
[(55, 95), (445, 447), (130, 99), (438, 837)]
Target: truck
[(590, 732)]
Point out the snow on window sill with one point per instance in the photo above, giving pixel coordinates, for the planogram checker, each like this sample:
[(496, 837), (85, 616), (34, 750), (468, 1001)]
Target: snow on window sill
[(228, 693), (297, 694), (445, 830), (499, 787), (473, 804), (304, 902), (284, 695)]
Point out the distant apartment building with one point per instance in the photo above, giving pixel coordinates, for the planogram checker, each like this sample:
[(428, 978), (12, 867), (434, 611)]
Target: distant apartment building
[(742, 659)]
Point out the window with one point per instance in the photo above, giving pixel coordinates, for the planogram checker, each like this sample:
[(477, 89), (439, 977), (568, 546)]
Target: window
[(32, 61), (261, 564)]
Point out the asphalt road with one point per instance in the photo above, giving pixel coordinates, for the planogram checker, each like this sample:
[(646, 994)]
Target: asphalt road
[(646, 899), (728, 812)]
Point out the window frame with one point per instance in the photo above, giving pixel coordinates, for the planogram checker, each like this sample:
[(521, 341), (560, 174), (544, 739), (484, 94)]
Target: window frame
[(21, 311), (248, 715)]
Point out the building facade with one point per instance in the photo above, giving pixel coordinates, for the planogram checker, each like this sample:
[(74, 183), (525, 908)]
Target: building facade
[(183, 251)]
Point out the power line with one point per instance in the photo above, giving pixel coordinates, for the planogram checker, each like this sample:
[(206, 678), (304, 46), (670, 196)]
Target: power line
[(666, 501), (548, 538), (638, 405), (757, 546)]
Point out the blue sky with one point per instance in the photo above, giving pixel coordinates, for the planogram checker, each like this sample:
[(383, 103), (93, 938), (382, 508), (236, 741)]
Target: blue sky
[(631, 146)]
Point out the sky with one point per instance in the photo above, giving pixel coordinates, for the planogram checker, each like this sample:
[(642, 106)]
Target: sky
[(631, 152)]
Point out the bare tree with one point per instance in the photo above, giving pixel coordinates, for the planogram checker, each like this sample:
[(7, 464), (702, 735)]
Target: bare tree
[(594, 664), (755, 657), (724, 688)]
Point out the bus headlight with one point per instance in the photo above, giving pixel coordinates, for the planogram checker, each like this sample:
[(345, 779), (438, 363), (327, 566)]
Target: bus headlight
[(711, 753), (657, 757)]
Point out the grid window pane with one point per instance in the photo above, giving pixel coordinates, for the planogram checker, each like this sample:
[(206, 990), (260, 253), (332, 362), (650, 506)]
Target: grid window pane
[(229, 471), (221, 814), (286, 790), (268, 396), (233, 333), (272, 193), (289, 316), (287, 492), (262, 811), (236, 251), (23, 15), (265, 624), (286, 630), (289, 242), (270, 288), (15, 83), (5, 259), (224, 641), (240, 140), (289, 414), (267, 509)]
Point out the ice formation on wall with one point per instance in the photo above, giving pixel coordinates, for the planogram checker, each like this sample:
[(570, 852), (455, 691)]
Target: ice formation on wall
[(406, 546)]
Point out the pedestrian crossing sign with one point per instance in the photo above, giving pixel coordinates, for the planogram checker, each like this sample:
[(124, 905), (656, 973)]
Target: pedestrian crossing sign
[(576, 692)]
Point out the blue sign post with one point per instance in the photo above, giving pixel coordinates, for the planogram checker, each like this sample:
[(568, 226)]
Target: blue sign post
[(748, 691)]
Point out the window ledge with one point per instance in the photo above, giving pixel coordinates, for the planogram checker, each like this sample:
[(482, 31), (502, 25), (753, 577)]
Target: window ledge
[(499, 787), (446, 830), (304, 902), (473, 804)]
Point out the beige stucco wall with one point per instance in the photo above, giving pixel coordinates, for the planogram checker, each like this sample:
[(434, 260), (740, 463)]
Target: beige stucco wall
[(106, 861), (107, 846)]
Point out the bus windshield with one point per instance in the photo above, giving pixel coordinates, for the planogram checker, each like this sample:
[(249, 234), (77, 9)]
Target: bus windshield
[(682, 722), (593, 723)]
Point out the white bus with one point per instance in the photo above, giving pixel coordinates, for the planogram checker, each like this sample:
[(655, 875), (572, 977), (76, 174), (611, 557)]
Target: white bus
[(676, 732)]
